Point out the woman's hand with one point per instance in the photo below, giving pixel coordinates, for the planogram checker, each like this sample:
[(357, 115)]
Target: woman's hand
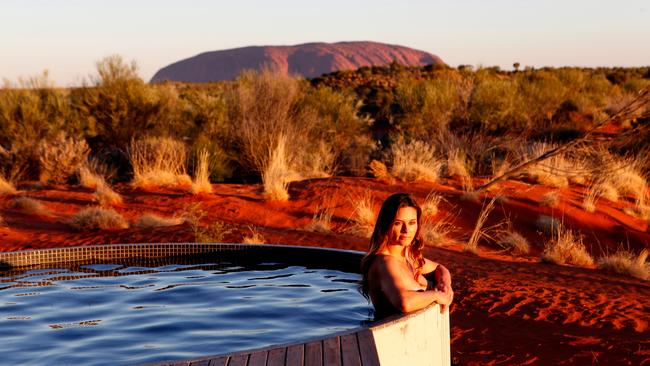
[(446, 296)]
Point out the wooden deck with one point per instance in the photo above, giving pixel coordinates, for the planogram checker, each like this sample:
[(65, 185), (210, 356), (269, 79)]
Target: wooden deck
[(355, 349)]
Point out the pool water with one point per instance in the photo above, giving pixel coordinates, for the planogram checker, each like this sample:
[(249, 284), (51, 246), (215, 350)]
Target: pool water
[(122, 314)]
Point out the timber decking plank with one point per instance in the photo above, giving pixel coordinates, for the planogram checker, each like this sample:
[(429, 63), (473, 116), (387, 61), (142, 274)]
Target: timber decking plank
[(219, 361), (238, 360), (296, 355), (350, 350), (258, 358), (276, 357), (367, 348), (314, 354), (332, 351), (200, 363)]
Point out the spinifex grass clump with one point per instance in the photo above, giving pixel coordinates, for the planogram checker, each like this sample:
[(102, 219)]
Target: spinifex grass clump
[(158, 161), (61, 157), (253, 236), (363, 217), (149, 220), (94, 218), (566, 247), (415, 161), (6, 188), (30, 206), (201, 181), (626, 263), (513, 241)]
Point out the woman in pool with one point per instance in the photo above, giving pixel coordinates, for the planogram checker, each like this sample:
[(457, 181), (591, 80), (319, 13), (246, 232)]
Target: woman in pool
[(396, 277)]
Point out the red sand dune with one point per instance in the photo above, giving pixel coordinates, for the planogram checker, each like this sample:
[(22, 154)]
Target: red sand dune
[(508, 310)]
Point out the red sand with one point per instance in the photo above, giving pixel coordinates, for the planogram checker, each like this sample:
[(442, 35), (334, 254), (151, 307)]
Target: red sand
[(508, 310)]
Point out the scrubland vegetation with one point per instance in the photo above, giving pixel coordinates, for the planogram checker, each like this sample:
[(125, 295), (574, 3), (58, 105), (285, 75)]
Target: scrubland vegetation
[(396, 123)]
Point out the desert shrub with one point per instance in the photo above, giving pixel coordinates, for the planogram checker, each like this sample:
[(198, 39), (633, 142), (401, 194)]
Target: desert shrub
[(513, 241), (415, 161), (33, 110), (426, 106), (379, 170), (149, 220), (626, 263), (30, 206), (341, 128), (494, 106), (201, 181), (542, 93), (6, 187), (590, 199), (61, 157), (216, 232), (566, 247), (158, 161), (121, 106), (266, 106), (94, 218)]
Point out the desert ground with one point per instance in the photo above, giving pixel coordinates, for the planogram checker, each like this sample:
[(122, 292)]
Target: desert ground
[(508, 309)]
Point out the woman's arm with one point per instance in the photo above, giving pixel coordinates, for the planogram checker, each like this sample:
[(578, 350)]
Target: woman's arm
[(402, 291)]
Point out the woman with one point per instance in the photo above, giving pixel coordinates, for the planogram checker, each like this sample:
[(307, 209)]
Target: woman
[(396, 277)]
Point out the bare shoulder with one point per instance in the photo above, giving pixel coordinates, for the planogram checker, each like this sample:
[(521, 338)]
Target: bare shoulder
[(387, 263)]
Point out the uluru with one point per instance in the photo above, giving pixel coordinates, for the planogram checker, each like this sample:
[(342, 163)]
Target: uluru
[(308, 60)]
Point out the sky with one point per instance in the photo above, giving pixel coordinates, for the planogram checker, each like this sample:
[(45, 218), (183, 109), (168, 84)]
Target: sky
[(68, 37)]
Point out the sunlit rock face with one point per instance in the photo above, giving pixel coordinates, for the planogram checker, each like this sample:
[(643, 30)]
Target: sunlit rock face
[(308, 60)]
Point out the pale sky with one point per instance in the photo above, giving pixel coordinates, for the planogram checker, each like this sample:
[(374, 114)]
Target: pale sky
[(68, 37)]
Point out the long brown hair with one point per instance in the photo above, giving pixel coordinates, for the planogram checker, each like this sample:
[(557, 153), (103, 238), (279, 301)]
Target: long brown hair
[(379, 237)]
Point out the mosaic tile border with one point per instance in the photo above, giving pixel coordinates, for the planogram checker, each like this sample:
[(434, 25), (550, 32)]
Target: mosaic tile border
[(150, 251)]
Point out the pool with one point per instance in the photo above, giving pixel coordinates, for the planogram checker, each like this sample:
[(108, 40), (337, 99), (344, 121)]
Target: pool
[(134, 304)]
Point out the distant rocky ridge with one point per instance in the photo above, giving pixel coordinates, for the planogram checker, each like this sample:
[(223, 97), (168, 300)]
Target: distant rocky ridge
[(308, 60)]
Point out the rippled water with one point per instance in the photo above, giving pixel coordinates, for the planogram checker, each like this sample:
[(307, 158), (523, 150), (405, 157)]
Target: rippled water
[(114, 314)]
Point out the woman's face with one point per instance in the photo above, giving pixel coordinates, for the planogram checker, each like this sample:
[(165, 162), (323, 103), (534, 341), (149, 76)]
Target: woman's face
[(404, 226)]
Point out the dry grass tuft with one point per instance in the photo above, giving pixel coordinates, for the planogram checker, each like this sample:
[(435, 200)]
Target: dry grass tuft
[(254, 237), (472, 244), (590, 199), (30, 206), (363, 217), (566, 247), (276, 174), (321, 221), (626, 263), (6, 188), (550, 199), (158, 162), (379, 170), (152, 220), (98, 218), (89, 179), (201, 182), (513, 241), (436, 232), (415, 161), (430, 204), (105, 195)]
